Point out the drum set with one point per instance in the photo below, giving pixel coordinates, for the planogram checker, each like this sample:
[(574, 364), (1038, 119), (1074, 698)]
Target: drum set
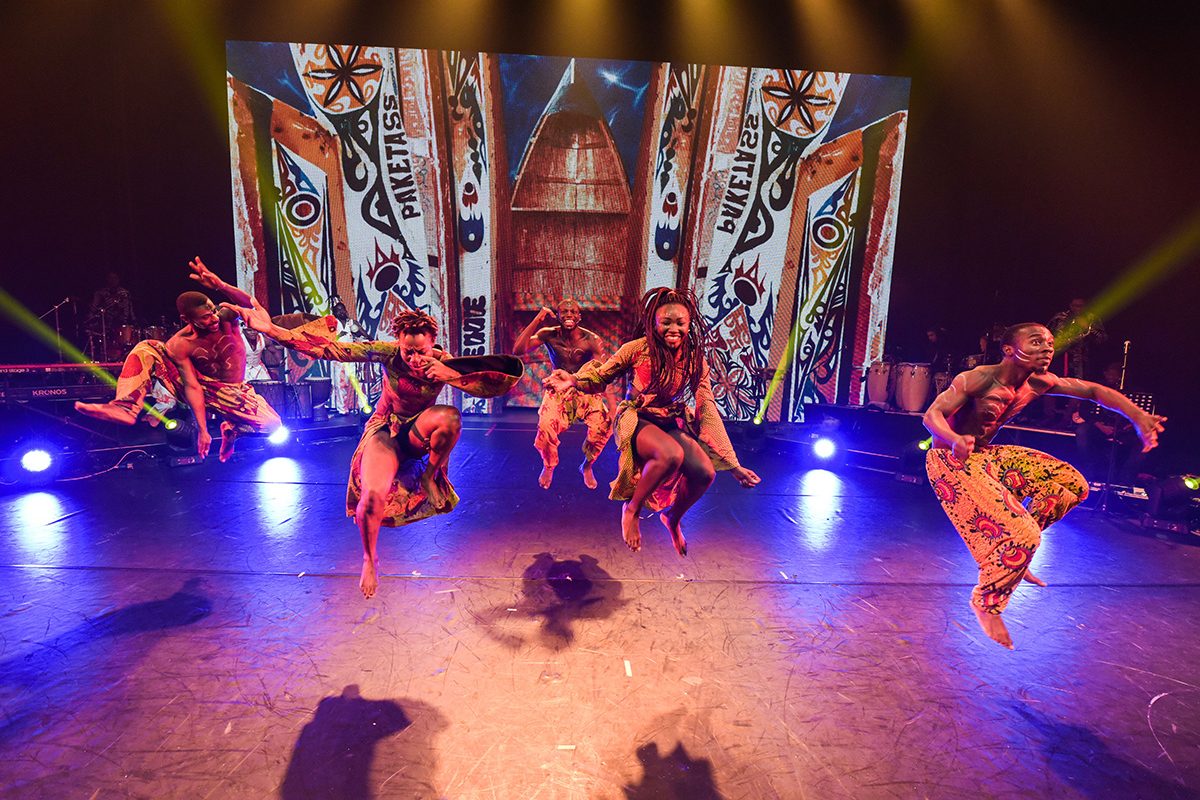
[(905, 386), (113, 342)]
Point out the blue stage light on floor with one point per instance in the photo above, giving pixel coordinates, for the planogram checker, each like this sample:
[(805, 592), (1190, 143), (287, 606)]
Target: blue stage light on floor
[(280, 435), (824, 447), (36, 460)]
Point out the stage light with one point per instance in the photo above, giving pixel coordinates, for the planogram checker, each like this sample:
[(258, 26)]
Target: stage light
[(280, 435), (36, 460), (1172, 503), (824, 448)]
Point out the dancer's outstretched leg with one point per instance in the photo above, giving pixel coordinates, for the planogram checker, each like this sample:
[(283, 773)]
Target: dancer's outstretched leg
[(380, 460)]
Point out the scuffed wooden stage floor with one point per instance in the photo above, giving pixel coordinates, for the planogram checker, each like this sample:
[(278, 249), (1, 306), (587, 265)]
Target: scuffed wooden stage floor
[(198, 633)]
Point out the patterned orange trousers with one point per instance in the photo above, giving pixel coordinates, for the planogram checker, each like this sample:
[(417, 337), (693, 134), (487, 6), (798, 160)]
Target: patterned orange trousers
[(561, 410), (238, 403), (1000, 499)]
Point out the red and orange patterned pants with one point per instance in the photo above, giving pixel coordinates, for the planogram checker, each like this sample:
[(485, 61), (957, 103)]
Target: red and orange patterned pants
[(560, 410), (985, 497)]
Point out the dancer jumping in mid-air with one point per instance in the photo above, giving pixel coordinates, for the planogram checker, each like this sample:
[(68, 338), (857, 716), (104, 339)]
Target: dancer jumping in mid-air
[(982, 487), (389, 484), (670, 435), (204, 365), (570, 346)]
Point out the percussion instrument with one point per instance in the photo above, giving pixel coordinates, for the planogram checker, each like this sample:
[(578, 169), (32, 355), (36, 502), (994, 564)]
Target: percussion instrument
[(913, 385), (879, 383)]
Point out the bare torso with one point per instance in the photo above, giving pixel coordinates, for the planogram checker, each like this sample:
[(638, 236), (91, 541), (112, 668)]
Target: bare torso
[(220, 355), (570, 350), (990, 403)]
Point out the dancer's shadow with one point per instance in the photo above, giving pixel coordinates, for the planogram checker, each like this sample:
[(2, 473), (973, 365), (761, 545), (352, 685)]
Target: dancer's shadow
[(63, 671), (1084, 761), (333, 757), (559, 593), (675, 776)]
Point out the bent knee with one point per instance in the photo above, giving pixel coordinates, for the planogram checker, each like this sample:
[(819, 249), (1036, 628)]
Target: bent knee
[(671, 457), (447, 417)]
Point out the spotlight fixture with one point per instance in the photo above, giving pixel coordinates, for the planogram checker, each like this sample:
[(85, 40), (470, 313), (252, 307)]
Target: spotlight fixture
[(279, 436), (36, 460), (824, 448), (1173, 503)]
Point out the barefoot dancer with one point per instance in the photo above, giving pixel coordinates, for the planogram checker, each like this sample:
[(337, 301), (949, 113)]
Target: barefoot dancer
[(389, 484), (204, 364), (569, 347), (982, 487), (670, 436)]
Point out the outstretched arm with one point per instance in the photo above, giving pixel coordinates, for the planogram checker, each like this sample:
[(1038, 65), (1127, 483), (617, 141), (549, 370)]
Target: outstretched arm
[(527, 338), (210, 280), (714, 435), (1149, 426), (193, 395), (316, 339)]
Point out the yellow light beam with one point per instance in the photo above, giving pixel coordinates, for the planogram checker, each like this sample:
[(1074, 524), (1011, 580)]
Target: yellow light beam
[(25, 319), (1155, 267)]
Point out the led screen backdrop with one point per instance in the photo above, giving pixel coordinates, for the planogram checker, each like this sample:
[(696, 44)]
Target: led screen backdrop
[(480, 187)]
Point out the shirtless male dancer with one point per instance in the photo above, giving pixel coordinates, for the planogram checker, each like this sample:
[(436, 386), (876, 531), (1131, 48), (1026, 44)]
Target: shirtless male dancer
[(983, 487), (569, 346), (204, 365)]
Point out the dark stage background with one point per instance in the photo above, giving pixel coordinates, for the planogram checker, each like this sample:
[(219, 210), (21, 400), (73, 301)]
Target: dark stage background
[(1051, 147)]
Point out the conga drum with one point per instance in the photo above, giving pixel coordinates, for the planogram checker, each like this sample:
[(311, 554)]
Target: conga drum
[(879, 378), (913, 384)]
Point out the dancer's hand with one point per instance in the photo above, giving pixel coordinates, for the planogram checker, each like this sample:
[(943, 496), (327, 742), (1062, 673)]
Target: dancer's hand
[(1149, 426), (546, 313), (205, 276), (560, 380), (203, 442), (437, 371), (746, 477), (963, 446), (256, 317)]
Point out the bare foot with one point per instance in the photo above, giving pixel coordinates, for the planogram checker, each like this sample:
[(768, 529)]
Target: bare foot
[(228, 437), (629, 528), (589, 480), (546, 476), (993, 626), (433, 492), (676, 532), (1034, 579), (368, 581), (108, 412)]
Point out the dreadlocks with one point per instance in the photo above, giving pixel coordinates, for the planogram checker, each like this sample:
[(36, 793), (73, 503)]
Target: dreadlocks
[(413, 322), (663, 366)]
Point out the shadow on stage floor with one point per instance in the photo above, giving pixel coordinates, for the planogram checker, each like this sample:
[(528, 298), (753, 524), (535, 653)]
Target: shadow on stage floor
[(198, 632)]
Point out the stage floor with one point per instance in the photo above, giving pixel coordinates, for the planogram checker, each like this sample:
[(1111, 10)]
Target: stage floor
[(198, 633)]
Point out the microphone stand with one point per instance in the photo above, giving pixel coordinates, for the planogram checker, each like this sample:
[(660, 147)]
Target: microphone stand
[(1112, 445), (57, 328)]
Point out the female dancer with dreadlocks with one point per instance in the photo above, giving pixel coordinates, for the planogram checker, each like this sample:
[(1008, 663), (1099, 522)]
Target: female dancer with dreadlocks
[(669, 434)]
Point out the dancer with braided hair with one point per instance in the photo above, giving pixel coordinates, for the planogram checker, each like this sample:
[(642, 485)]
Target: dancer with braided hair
[(389, 483), (669, 434)]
